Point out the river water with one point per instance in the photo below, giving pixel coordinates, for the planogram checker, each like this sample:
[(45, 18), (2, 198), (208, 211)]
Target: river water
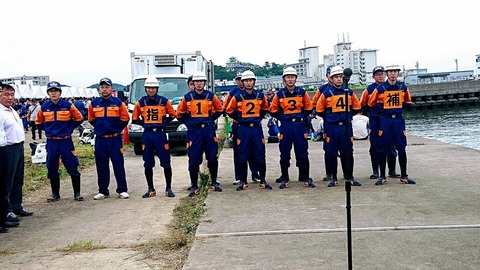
[(457, 125)]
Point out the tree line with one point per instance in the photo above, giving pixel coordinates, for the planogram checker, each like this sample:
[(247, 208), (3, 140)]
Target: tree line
[(267, 70)]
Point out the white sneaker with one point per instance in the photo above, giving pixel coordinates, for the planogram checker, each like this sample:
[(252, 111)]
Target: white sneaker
[(100, 196), (236, 182), (124, 195)]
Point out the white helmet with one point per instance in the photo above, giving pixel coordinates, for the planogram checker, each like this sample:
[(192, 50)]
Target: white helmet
[(199, 76), (248, 75), (392, 67), (335, 71), (289, 71), (151, 81)]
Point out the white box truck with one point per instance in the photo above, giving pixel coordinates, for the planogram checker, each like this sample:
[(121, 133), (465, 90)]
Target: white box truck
[(172, 71)]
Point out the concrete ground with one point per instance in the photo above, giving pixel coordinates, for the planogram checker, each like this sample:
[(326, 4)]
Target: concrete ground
[(431, 225)]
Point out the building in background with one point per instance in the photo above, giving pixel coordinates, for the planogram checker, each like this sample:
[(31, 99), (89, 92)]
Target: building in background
[(308, 63), (361, 61), (41, 80)]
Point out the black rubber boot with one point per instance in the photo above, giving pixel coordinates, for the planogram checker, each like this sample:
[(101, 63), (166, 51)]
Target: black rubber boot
[(284, 171), (149, 176), (55, 185), (304, 171), (76, 188), (391, 166), (374, 161)]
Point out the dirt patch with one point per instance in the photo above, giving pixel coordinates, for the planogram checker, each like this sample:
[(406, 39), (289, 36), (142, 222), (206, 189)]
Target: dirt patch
[(132, 233)]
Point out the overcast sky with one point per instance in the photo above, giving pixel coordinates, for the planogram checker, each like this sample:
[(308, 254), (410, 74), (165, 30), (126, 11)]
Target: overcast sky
[(79, 42)]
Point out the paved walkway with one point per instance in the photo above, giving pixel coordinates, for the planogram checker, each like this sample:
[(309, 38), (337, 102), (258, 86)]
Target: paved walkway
[(431, 225)]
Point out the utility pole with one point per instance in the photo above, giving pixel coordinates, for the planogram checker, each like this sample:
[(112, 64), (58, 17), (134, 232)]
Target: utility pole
[(456, 64)]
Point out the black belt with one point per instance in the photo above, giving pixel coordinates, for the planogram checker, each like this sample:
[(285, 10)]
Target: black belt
[(293, 119), (399, 115), (250, 124), (15, 144), (110, 135), (58, 137), (157, 129)]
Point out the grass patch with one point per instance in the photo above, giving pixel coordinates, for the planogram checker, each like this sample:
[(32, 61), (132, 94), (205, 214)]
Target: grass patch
[(4, 252), (81, 246), (35, 175), (173, 249), (414, 143)]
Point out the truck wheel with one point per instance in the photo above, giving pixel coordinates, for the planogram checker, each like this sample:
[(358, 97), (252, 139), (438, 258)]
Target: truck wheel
[(137, 149)]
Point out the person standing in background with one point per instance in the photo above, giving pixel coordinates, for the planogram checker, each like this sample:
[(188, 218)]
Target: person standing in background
[(32, 116), (321, 89)]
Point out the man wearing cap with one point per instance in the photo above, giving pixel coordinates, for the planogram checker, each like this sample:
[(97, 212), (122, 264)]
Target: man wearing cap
[(58, 118), (392, 98), (198, 110), (374, 115), (253, 167), (332, 107), (153, 112), (109, 116), (291, 105)]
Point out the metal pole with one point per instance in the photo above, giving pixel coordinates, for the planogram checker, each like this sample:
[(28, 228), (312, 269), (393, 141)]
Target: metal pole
[(348, 187)]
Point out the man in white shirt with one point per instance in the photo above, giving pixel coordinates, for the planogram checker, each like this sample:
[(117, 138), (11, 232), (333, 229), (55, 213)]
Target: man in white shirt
[(360, 126), (3, 159), (32, 115), (14, 150)]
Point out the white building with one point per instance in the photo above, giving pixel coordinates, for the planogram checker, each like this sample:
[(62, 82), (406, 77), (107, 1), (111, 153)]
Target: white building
[(27, 80), (361, 61)]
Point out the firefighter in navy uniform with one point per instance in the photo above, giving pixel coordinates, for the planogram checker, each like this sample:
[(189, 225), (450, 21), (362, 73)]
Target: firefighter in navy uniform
[(153, 112), (392, 98), (291, 105), (253, 168), (198, 110), (331, 106), (249, 107), (374, 115), (109, 116), (315, 98), (58, 118)]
